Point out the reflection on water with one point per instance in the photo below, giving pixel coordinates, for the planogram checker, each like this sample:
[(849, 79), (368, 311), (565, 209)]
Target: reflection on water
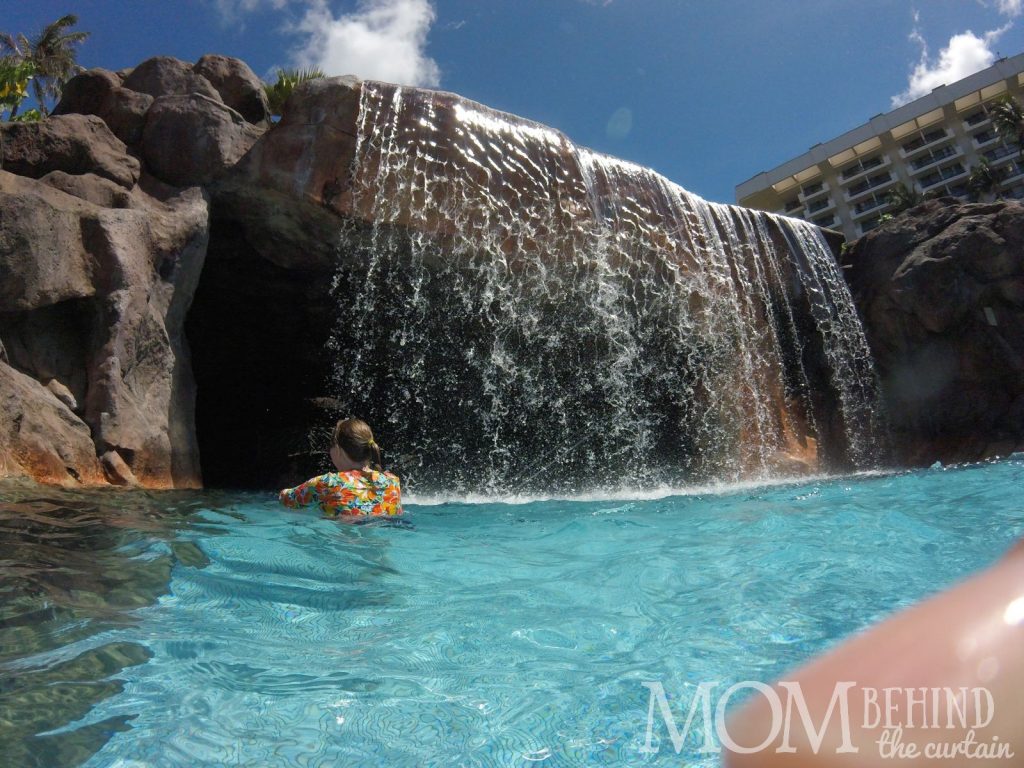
[(178, 630), (75, 564), (77, 567)]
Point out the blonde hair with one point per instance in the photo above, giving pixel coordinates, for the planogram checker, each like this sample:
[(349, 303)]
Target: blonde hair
[(355, 438)]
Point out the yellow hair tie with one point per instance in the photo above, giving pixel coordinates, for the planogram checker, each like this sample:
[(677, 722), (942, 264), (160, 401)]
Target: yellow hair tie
[(371, 443)]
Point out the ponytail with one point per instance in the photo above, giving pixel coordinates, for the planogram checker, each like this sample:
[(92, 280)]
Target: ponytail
[(375, 452), (355, 438)]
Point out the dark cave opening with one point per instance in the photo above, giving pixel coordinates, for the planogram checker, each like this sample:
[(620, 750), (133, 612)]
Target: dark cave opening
[(258, 335)]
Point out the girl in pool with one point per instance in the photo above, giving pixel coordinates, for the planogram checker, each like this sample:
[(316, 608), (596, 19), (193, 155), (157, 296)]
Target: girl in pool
[(360, 487)]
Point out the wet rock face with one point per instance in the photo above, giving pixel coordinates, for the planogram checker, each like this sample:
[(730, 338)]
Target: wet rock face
[(144, 178), (941, 291), (293, 185), (102, 269)]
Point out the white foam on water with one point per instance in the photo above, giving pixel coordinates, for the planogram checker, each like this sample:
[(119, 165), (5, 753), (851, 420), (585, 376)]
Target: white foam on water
[(632, 494)]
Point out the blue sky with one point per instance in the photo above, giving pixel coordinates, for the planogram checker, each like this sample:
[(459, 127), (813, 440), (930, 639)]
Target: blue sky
[(707, 92)]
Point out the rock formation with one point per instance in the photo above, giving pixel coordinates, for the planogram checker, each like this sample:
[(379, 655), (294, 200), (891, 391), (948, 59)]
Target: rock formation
[(941, 291), (146, 180), (104, 228)]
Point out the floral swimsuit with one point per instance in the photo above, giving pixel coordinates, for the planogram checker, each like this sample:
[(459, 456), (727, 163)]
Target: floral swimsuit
[(356, 492)]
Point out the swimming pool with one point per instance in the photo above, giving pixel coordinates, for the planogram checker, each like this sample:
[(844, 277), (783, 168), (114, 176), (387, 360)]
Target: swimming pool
[(207, 629)]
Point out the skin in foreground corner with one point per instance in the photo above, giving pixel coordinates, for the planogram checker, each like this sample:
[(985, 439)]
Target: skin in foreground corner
[(903, 673)]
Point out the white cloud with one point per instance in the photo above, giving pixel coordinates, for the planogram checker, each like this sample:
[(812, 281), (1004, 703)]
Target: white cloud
[(965, 54), (1010, 8), (381, 40), (232, 10)]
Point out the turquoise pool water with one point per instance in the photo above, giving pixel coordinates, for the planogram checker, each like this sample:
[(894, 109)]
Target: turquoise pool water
[(213, 630)]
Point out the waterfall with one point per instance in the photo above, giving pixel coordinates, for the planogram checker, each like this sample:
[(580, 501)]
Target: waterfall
[(519, 313)]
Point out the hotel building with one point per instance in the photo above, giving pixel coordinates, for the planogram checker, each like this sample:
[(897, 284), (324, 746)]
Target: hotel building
[(930, 145)]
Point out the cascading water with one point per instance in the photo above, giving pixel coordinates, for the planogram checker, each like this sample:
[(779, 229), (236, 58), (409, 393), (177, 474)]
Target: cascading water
[(517, 313)]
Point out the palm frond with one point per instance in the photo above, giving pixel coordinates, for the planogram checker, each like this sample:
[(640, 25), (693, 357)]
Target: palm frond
[(902, 197), (279, 91), (1008, 118), (986, 181), (52, 54), (15, 46)]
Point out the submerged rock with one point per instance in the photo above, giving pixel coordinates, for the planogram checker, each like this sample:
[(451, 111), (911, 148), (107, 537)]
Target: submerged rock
[(941, 291)]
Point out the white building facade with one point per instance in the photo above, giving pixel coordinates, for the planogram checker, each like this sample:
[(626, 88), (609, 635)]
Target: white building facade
[(931, 145)]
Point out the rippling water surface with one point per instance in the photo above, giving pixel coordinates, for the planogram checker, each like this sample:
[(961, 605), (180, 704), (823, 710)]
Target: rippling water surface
[(203, 629)]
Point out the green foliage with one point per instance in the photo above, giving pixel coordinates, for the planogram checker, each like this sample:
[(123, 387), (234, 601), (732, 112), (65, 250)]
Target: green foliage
[(1008, 118), (28, 116), (52, 55), (985, 182), (287, 79), (14, 79), (901, 198)]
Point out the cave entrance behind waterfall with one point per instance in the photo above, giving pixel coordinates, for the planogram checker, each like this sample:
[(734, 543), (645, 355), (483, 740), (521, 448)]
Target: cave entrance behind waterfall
[(258, 334), (265, 343)]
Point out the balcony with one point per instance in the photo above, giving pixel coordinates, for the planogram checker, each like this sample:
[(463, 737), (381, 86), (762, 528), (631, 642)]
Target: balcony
[(1014, 193), (877, 181), (813, 191), (862, 209), (978, 119), (868, 224), (997, 155), (958, 190), (984, 138), (824, 204), (793, 208), (935, 156), (1014, 172), (826, 221), (864, 166), (923, 142), (935, 178)]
